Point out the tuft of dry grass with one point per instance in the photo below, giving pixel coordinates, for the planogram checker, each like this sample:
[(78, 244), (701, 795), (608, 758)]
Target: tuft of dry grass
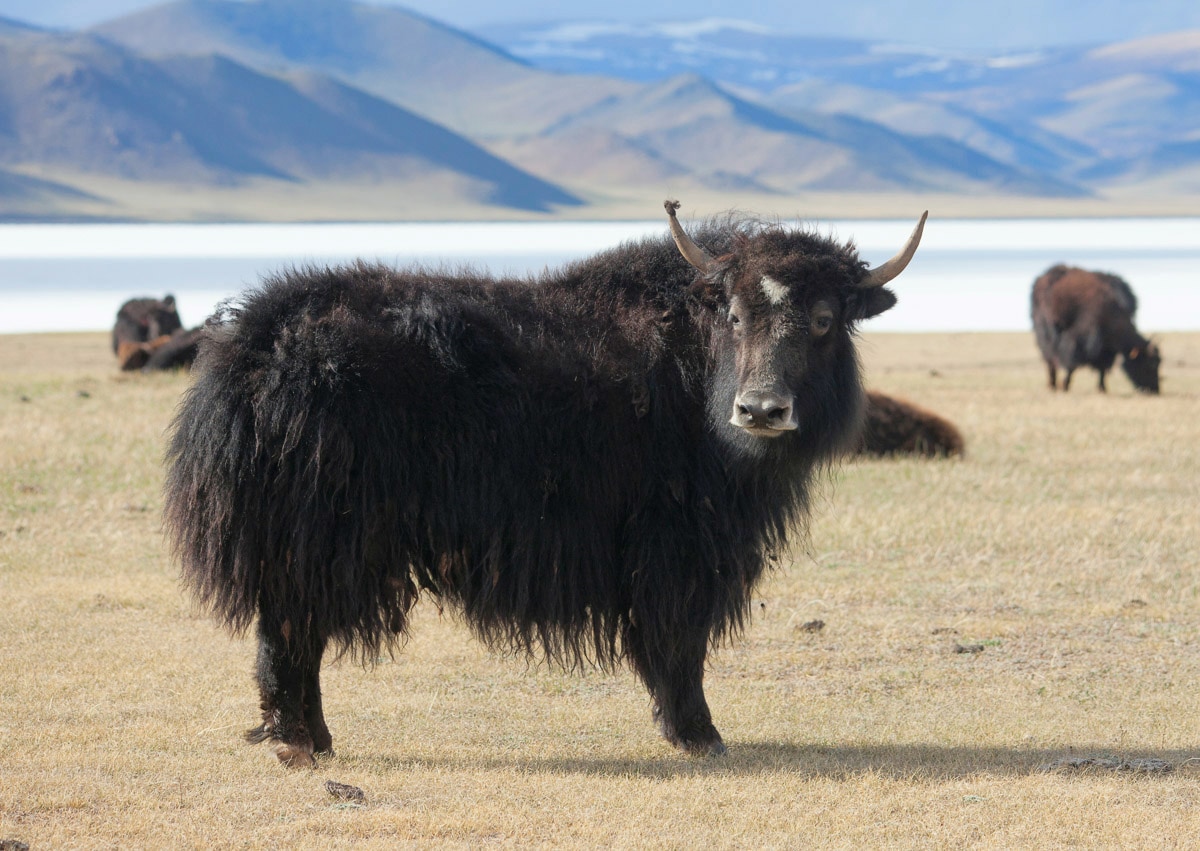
[(1062, 551)]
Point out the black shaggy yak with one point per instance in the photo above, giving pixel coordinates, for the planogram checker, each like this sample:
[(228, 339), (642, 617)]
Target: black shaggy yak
[(597, 464), (1083, 318), (141, 321), (897, 427)]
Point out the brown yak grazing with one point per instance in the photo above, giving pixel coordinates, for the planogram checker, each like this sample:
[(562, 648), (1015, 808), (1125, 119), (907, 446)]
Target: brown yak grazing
[(898, 427), (1083, 318)]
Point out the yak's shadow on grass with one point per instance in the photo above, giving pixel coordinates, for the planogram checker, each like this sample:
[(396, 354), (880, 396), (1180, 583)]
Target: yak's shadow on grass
[(897, 762)]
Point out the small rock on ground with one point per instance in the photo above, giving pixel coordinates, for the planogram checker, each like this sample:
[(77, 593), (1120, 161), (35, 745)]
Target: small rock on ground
[(345, 792)]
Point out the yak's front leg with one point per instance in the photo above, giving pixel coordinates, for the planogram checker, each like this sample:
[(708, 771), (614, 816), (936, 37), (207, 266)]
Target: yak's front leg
[(288, 673), (673, 671)]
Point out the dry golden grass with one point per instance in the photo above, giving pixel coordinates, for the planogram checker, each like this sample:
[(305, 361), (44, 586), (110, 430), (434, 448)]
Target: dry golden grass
[(1065, 546)]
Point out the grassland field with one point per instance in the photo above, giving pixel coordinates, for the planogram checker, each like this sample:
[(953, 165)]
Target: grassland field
[(1009, 657)]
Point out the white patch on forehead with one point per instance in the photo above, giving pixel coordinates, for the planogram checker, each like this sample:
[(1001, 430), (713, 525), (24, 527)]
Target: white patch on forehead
[(775, 292)]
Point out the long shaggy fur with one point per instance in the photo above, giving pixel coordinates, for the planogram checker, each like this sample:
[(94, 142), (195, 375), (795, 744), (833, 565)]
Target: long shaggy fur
[(550, 457)]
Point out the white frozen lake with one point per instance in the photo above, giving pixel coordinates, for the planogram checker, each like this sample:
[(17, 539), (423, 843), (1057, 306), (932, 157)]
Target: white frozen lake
[(969, 275)]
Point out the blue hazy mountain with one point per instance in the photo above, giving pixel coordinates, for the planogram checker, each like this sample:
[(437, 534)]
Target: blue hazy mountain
[(565, 126), (1085, 112), (447, 75), (280, 96), (78, 103)]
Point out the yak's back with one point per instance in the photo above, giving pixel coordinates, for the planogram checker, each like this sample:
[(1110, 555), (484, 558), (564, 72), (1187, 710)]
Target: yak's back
[(1065, 294), (398, 429)]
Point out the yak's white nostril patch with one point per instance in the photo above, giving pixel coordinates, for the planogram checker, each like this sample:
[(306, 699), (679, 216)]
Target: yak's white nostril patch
[(775, 292)]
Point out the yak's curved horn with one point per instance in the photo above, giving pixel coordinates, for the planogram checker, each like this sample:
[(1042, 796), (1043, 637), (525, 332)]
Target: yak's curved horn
[(691, 252), (883, 273)]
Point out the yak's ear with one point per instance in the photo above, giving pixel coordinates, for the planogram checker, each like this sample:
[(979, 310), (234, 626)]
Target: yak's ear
[(866, 303)]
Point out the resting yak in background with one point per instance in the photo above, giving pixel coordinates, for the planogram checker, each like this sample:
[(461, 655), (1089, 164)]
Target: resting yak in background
[(1083, 318), (598, 463), (149, 335), (897, 427), (139, 322)]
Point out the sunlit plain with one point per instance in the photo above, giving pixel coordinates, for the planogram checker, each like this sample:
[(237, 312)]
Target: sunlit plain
[(983, 619)]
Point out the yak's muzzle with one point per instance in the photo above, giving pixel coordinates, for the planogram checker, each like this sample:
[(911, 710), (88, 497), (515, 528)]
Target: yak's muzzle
[(764, 414)]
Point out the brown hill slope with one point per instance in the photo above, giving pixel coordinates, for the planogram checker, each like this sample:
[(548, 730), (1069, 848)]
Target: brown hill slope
[(79, 104)]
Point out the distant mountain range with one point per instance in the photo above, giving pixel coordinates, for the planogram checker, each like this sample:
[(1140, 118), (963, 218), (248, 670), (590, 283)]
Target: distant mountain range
[(1075, 114), (210, 109)]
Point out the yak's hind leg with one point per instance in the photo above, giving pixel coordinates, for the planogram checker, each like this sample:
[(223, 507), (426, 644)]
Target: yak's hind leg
[(673, 671), (314, 712), (1053, 374), (289, 684)]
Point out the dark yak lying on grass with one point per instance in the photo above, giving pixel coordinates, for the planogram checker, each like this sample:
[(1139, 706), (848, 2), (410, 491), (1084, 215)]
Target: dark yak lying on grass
[(598, 463), (175, 351), (149, 335), (1083, 318), (897, 427), (141, 321)]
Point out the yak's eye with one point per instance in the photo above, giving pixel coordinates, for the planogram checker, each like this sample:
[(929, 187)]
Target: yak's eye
[(822, 320), (734, 319)]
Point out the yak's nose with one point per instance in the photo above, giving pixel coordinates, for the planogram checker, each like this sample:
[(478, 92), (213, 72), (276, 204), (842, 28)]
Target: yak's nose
[(755, 410)]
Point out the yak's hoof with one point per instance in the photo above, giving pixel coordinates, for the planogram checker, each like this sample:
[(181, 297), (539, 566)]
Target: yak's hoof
[(700, 739), (703, 749), (700, 746), (717, 748), (295, 756)]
